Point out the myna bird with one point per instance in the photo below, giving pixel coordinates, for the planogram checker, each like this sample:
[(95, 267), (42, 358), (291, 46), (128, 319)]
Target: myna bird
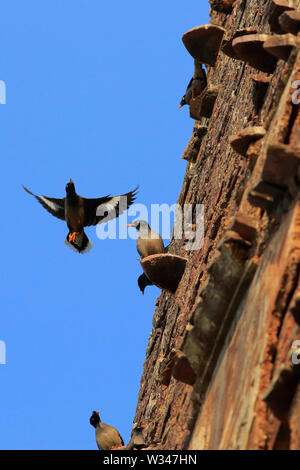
[(80, 212), (107, 437), (143, 282), (136, 439), (148, 243), (196, 85)]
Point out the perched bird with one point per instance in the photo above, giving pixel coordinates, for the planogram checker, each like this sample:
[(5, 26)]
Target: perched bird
[(196, 85), (136, 439), (143, 282), (107, 437), (148, 243), (80, 212)]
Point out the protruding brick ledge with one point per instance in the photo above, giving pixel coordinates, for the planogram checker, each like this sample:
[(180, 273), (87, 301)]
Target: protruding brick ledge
[(289, 22), (250, 49), (241, 141), (203, 42), (278, 7), (226, 46), (164, 270), (222, 6), (280, 45), (203, 105)]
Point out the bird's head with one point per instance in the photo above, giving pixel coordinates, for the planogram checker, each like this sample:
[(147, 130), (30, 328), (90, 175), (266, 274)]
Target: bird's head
[(70, 188), (139, 224), (95, 419), (139, 427), (182, 102)]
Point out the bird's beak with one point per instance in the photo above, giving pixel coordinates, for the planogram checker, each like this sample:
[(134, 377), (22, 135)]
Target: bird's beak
[(129, 225), (180, 106), (71, 181), (97, 412)]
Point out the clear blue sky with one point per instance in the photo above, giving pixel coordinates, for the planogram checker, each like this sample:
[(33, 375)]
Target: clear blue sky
[(92, 94)]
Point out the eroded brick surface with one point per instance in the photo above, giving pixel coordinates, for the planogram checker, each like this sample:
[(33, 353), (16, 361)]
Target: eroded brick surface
[(246, 275)]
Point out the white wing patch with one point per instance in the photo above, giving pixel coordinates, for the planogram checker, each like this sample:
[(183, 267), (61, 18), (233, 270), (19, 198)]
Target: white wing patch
[(50, 204), (110, 208)]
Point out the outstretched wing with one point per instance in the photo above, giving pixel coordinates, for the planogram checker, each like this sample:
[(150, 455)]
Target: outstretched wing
[(55, 206), (106, 208)]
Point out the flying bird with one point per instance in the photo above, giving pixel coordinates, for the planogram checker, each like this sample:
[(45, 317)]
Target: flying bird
[(136, 439), (196, 85), (80, 212), (148, 243), (107, 437)]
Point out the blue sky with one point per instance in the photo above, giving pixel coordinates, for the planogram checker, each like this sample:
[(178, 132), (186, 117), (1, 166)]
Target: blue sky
[(92, 89)]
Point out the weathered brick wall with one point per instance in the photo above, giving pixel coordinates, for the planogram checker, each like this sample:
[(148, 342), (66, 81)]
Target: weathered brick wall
[(218, 372)]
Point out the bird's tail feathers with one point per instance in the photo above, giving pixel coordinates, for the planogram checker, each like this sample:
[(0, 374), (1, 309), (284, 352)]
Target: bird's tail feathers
[(81, 243)]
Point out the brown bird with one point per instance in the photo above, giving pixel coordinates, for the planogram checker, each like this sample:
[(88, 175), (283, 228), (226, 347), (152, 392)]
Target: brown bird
[(196, 85), (107, 437), (148, 243), (80, 212), (136, 439)]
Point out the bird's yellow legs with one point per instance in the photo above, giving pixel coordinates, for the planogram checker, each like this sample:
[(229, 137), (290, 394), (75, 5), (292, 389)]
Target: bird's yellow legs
[(72, 236)]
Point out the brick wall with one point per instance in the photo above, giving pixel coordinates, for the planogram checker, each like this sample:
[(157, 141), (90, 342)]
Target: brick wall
[(218, 372)]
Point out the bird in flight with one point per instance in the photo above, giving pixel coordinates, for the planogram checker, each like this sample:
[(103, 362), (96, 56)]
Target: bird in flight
[(80, 212)]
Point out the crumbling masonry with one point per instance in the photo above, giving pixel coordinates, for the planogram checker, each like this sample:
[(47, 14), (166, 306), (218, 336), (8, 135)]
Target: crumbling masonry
[(221, 368)]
